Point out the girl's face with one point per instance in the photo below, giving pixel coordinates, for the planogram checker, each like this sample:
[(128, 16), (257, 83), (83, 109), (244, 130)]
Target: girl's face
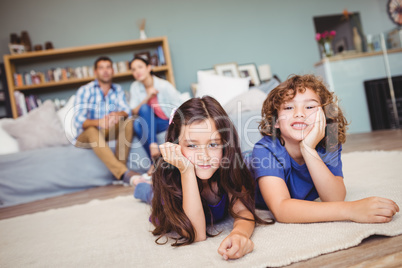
[(296, 116), (201, 144), (140, 70)]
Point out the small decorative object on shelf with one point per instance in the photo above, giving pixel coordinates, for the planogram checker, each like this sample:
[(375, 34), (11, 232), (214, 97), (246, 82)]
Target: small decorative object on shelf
[(142, 30), (38, 47), (324, 39), (26, 41), (357, 41), (14, 39), (48, 45)]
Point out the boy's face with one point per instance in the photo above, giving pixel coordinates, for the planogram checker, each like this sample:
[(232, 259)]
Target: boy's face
[(296, 116)]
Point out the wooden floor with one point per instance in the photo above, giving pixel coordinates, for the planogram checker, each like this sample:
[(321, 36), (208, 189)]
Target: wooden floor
[(376, 251)]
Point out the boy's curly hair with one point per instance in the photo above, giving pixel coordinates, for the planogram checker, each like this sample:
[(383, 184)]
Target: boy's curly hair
[(336, 123)]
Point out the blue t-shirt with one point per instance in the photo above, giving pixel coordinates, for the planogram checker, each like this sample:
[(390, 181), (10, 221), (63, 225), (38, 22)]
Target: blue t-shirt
[(270, 158)]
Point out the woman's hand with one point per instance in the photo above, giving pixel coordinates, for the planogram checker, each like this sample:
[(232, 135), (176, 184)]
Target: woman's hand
[(172, 154), (235, 246), (372, 210), (151, 91), (317, 133)]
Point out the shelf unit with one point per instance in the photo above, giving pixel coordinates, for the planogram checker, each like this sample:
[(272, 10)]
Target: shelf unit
[(11, 62)]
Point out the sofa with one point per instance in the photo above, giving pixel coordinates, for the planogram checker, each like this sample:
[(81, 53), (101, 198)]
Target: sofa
[(58, 167)]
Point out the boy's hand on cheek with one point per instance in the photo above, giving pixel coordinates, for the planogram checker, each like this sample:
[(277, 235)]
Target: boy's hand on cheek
[(317, 132), (235, 246), (172, 154)]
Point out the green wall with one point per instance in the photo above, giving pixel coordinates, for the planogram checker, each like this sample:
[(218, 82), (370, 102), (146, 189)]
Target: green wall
[(201, 33)]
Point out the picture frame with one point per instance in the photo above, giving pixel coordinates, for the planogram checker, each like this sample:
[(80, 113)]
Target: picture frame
[(209, 71), (16, 48), (250, 70), (145, 55), (227, 69), (154, 60)]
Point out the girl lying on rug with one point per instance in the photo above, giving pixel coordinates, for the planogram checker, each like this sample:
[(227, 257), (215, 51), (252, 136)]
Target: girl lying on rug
[(201, 179), (299, 158)]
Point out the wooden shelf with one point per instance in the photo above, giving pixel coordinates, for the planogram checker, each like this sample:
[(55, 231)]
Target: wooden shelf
[(11, 61), (75, 81), (85, 50)]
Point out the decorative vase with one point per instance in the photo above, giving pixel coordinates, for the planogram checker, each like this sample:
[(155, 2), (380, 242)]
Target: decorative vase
[(143, 36), (26, 40), (327, 49), (357, 41)]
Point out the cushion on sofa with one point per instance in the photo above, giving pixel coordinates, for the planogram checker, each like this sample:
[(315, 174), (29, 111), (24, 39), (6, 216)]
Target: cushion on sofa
[(251, 100), (8, 144), (222, 88), (39, 128), (66, 116)]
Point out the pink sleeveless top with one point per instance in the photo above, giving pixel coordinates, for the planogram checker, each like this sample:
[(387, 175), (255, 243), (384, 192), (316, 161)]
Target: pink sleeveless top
[(153, 102)]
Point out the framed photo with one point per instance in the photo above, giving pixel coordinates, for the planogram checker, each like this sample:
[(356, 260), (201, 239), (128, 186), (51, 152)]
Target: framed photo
[(154, 60), (16, 48), (227, 69), (250, 70), (145, 55), (209, 71)]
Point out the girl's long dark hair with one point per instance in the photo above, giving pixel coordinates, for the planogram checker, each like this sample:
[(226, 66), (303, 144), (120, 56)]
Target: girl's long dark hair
[(232, 178)]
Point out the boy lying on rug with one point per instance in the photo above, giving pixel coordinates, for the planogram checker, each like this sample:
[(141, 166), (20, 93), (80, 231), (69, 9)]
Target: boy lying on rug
[(296, 162), (201, 179), (305, 157)]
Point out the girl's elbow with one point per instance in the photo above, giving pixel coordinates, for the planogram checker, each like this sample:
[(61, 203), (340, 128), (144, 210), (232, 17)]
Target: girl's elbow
[(200, 238)]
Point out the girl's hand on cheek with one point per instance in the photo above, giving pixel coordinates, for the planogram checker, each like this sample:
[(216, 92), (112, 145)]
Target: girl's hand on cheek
[(172, 154), (235, 246), (317, 133)]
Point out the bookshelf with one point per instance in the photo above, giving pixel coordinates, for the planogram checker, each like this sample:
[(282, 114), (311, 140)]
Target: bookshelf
[(12, 62)]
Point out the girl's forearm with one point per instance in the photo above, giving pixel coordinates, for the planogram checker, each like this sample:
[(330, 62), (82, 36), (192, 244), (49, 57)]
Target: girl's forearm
[(329, 187), (192, 205), (242, 226)]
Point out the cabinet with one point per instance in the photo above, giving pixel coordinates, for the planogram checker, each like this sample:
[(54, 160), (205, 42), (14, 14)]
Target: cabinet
[(13, 62), (379, 100), (345, 75)]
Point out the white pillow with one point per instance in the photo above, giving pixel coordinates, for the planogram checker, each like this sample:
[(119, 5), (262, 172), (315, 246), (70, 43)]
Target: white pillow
[(8, 144), (222, 88), (66, 115), (39, 128), (249, 101)]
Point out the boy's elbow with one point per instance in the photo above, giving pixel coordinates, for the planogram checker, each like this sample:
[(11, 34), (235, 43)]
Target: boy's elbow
[(281, 217), (279, 214)]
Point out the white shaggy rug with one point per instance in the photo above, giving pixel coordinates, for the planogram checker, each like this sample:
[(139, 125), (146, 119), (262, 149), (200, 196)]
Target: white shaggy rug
[(116, 232)]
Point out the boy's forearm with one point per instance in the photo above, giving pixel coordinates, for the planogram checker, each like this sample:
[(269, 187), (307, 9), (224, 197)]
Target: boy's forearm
[(329, 187), (302, 211)]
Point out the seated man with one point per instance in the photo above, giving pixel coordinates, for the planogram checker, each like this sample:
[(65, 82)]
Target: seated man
[(101, 113)]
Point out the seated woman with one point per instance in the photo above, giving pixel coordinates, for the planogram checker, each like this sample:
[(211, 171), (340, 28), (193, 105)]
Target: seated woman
[(153, 100)]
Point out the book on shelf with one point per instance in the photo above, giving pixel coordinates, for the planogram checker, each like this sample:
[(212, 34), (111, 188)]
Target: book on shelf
[(161, 55), (20, 103), (18, 80), (26, 104), (54, 75)]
